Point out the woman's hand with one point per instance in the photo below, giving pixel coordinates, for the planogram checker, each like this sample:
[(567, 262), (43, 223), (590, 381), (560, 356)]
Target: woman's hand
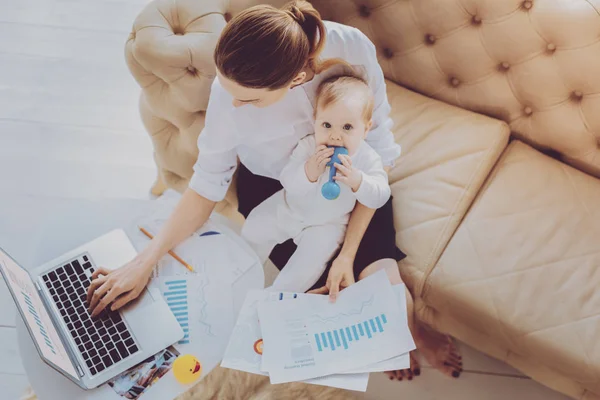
[(347, 173), (118, 286), (316, 165), (341, 275)]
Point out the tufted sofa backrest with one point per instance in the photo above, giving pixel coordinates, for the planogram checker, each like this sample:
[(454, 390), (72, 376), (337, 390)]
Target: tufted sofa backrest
[(533, 63)]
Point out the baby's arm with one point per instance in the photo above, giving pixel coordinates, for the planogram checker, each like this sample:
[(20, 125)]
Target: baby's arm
[(374, 190), (294, 177)]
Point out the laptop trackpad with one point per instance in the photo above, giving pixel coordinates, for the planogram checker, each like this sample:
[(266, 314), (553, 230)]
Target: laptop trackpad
[(145, 299)]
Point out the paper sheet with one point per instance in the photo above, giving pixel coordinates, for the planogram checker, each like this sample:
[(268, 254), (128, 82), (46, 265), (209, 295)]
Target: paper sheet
[(245, 345), (311, 337), (401, 361), (206, 246)]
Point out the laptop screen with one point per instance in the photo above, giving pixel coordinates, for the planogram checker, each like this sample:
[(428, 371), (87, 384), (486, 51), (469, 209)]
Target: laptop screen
[(35, 314)]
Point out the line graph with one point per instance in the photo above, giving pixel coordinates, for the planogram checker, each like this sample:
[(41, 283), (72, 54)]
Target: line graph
[(357, 311)]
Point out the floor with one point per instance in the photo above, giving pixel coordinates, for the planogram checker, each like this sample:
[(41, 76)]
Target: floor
[(69, 127)]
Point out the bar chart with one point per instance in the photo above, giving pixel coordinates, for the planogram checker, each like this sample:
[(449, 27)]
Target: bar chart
[(341, 338), (36, 317), (176, 296)]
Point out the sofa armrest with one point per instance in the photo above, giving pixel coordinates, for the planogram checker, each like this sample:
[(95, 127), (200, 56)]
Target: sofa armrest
[(169, 52), (447, 153)]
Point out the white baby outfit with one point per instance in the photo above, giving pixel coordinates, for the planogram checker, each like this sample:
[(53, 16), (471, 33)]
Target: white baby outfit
[(317, 225)]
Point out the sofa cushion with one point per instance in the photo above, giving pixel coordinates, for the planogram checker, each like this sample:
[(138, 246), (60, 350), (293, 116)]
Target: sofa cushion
[(524, 266), (447, 153)]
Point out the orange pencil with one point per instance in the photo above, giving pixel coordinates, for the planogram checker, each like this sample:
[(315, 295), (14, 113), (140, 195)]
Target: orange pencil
[(175, 256)]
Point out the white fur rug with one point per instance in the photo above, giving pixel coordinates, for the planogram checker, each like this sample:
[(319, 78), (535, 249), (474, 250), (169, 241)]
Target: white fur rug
[(227, 384)]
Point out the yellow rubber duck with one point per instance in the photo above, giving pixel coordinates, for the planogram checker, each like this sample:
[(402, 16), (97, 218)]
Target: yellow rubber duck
[(187, 369)]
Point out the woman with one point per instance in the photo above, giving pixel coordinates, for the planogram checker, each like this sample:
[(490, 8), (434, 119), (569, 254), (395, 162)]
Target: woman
[(261, 105)]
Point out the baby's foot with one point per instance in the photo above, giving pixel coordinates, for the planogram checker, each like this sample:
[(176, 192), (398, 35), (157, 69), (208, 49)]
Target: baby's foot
[(414, 370), (440, 352)]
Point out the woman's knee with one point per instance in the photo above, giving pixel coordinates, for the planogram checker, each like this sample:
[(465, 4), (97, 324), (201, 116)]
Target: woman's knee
[(388, 264)]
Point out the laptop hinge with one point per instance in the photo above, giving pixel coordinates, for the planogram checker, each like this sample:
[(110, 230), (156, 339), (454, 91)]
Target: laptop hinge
[(58, 328)]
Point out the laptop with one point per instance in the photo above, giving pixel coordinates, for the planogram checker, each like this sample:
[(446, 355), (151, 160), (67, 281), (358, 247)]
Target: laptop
[(52, 302)]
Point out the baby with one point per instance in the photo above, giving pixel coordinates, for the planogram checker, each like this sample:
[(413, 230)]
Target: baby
[(343, 114)]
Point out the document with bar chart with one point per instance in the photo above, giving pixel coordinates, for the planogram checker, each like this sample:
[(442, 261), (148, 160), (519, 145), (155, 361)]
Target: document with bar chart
[(245, 348), (203, 306), (311, 337), (399, 362)]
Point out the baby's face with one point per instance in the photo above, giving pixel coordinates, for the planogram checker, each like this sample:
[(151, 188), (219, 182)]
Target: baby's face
[(342, 124)]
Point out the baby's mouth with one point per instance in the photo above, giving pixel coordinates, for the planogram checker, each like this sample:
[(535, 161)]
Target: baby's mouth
[(197, 367)]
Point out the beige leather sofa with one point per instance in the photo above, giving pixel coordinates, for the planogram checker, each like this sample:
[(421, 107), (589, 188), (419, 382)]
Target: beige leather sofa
[(497, 107)]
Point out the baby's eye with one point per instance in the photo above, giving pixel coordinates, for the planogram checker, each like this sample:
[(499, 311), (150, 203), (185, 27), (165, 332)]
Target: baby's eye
[(326, 125), (347, 127)]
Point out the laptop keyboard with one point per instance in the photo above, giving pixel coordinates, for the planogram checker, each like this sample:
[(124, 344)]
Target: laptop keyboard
[(102, 341)]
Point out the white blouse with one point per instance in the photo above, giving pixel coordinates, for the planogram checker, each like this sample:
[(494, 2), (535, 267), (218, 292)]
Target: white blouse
[(264, 138)]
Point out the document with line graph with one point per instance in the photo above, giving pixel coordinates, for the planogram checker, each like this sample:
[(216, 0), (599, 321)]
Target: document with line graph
[(311, 337)]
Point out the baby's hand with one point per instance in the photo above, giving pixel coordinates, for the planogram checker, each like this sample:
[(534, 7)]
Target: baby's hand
[(316, 165), (347, 173)]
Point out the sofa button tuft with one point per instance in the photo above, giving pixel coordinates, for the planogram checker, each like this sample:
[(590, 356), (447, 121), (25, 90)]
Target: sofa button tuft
[(388, 53), (527, 110), (430, 39), (364, 11)]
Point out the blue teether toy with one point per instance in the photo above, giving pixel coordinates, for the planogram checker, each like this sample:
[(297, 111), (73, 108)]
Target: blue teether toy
[(331, 189)]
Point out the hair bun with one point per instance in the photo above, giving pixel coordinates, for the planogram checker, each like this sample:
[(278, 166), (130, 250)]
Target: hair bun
[(296, 14)]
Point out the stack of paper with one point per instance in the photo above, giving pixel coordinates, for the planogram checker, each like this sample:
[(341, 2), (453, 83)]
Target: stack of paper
[(202, 300), (302, 337)]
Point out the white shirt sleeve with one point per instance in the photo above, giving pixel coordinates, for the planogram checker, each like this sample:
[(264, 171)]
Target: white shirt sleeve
[(374, 190), (359, 50), (293, 176), (217, 150)]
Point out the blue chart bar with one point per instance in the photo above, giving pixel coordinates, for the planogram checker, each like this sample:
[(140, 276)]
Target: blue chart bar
[(367, 329), (175, 293), (318, 342), (176, 297), (330, 336), (372, 325), (342, 337), (379, 324)]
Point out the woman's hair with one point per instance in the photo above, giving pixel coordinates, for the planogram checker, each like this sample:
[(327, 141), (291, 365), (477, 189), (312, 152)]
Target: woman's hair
[(332, 89), (266, 47)]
